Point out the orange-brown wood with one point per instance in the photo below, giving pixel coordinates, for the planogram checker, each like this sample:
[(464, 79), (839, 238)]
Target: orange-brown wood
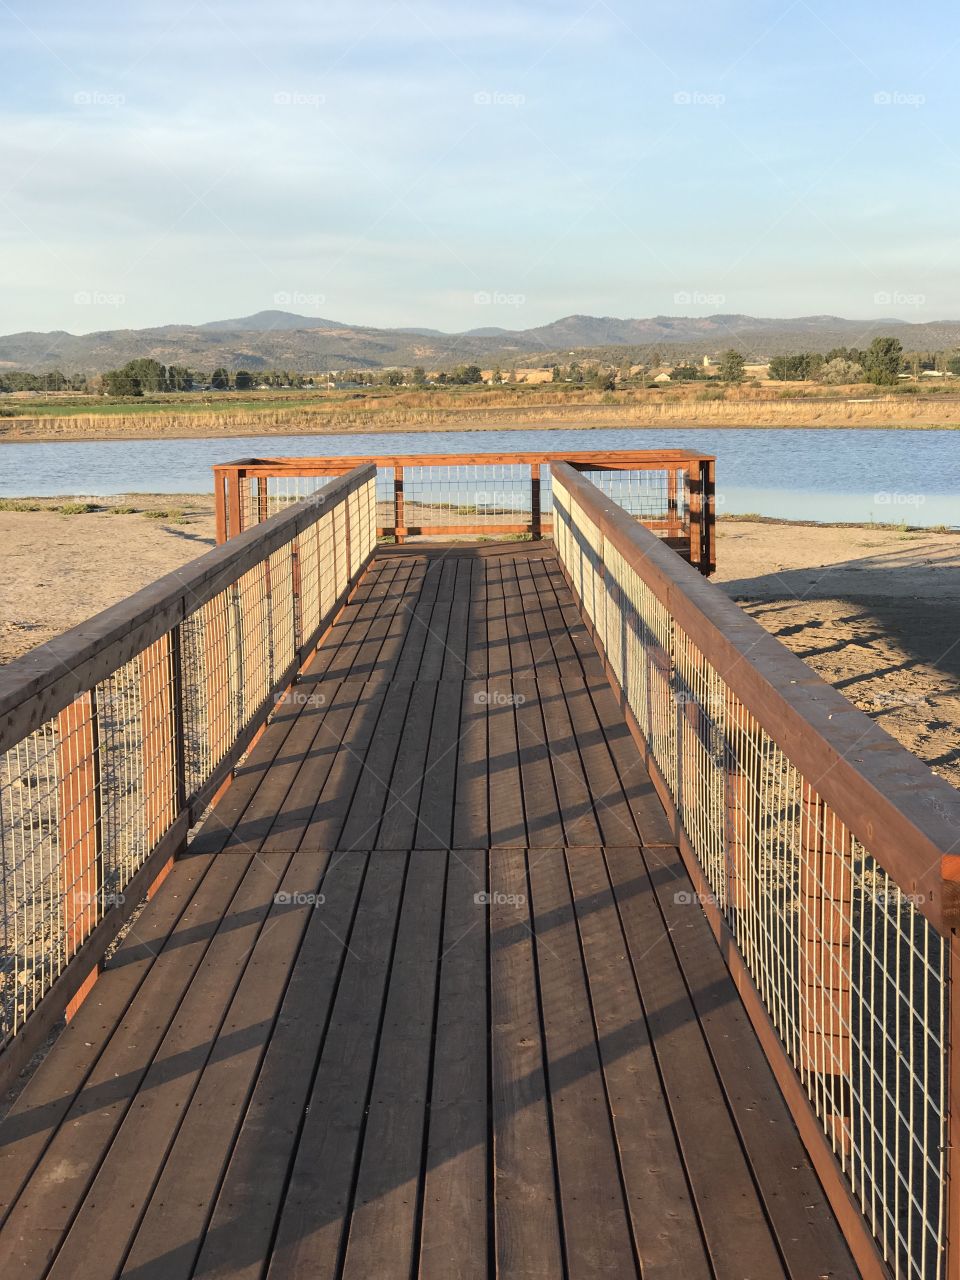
[(79, 820), (159, 740)]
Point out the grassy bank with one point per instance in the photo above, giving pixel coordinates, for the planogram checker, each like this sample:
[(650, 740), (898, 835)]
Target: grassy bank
[(502, 409)]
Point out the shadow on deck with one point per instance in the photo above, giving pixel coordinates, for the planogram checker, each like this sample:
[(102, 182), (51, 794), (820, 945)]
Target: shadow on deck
[(430, 994)]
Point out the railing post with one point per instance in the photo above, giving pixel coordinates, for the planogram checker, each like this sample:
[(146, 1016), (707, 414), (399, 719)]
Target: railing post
[(398, 516), (708, 486), (263, 505), (825, 1003), (80, 828), (695, 512), (674, 527), (159, 766), (220, 502), (535, 517), (235, 513)]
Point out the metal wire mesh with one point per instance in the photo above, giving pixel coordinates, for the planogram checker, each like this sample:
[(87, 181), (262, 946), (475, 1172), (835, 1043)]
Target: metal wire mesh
[(853, 976), (479, 494), (86, 796)]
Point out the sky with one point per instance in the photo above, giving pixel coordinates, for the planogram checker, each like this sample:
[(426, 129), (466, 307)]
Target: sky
[(457, 165)]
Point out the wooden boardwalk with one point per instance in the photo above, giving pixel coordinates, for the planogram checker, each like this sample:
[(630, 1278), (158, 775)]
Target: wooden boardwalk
[(428, 996)]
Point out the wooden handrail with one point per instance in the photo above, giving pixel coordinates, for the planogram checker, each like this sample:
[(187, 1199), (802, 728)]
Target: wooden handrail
[(906, 815), (41, 683)]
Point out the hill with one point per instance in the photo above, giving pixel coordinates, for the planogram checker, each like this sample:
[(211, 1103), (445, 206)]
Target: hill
[(285, 340)]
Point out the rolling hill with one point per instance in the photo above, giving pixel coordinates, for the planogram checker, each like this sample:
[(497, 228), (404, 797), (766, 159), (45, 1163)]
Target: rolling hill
[(284, 340)]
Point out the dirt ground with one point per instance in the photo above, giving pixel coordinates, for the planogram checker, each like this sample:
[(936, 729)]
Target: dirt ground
[(60, 569), (876, 612)]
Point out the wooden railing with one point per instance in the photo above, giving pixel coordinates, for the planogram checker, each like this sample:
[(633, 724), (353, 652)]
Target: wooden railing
[(116, 735), (827, 859), (670, 491)]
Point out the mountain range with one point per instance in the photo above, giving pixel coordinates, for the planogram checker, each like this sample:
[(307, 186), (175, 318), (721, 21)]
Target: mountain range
[(284, 340)]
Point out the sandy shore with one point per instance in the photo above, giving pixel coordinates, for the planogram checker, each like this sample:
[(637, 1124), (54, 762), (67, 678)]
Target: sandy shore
[(876, 612)]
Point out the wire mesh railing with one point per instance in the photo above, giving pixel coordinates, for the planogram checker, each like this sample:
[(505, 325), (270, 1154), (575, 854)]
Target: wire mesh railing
[(507, 495), (114, 736), (823, 854)]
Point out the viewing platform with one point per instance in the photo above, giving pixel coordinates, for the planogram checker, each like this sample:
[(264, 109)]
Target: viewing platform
[(513, 909)]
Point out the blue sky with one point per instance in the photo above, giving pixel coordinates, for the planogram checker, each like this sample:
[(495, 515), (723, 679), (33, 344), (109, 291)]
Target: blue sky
[(458, 165)]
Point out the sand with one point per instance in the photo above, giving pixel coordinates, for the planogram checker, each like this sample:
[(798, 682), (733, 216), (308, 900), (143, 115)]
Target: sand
[(875, 612)]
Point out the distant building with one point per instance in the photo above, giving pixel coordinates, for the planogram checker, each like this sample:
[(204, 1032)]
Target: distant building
[(662, 377)]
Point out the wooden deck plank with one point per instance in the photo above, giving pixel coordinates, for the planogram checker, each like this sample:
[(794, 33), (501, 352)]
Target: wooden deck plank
[(437, 637), (402, 802), (518, 637), (498, 642), (42, 1214), (731, 1215), (505, 797), (34, 1118), (332, 801), (579, 819), (438, 795), (334, 657), (456, 651), (641, 796), (373, 791), (802, 1221), (228, 1008), (314, 1218), (544, 821), (454, 1239), (543, 658), (477, 661), (374, 654), (526, 1212), (386, 1203), (614, 815), (237, 1242), (666, 1231), (332, 707), (470, 819), (596, 1233)]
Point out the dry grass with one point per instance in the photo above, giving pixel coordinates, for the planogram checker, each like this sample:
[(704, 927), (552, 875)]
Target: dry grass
[(480, 410)]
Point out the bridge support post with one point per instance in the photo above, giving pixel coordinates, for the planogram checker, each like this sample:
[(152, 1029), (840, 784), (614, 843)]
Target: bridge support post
[(825, 898), (79, 828), (398, 516)]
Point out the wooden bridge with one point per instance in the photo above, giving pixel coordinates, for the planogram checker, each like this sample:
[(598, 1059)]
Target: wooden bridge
[(440, 841)]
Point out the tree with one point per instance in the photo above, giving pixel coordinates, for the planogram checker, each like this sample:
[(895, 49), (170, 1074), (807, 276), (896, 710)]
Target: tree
[(419, 376), (882, 363), (731, 366), (394, 378), (179, 378), (685, 373), (220, 380), (839, 371), (121, 382), (467, 374), (243, 380), (151, 375), (556, 374), (953, 365), (604, 379)]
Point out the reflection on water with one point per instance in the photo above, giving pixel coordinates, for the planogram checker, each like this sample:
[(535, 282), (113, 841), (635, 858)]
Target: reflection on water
[(843, 475)]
